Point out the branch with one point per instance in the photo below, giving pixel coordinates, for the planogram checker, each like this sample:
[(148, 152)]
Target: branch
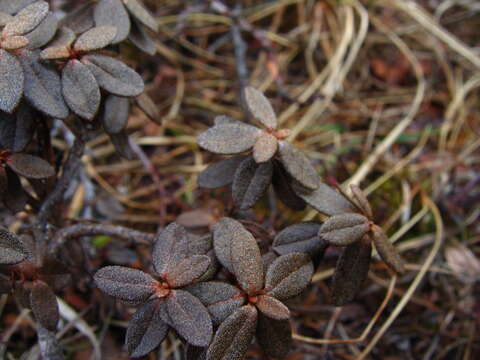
[(79, 230)]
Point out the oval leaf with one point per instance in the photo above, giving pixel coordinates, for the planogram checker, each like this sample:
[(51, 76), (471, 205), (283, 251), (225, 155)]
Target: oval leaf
[(27, 19), (43, 303), (149, 108), (272, 308), (351, 271), (146, 330), (43, 33), (325, 199), (140, 38), (121, 142), (225, 232), (282, 184), (11, 82), (30, 166), (288, 275), (344, 229), (113, 13), (141, 14), (258, 107), (188, 316), (114, 76), (250, 182), (125, 283), (12, 250), (228, 138), (115, 116), (386, 250), (43, 87), (187, 271), (17, 131), (274, 336), (298, 166), (247, 262), (220, 299), (361, 200), (15, 197), (234, 335), (219, 174), (170, 248), (14, 42), (265, 147), (301, 237), (80, 90), (95, 38)]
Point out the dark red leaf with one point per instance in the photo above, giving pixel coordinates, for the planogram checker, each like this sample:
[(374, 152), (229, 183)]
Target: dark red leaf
[(288, 275), (189, 317), (113, 13), (114, 76), (247, 262), (187, 271), (219, 174), (233, 337), (221, 299), (274, 336), (273, 308), (225, 233), (125, 283), (80, 90), (12, 251), (115, 116), (43, 303), (344, 229), (30, 166), (250, 182), (386, 250), (298, 166), (11, 81), (170, 248), (146, 330), (351, 271)]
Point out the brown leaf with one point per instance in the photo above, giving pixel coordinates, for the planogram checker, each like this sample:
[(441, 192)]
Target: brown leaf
[(325, 199), (272, 308), (258, 107), (225, 232), (146, 104), (234, 335), (12, 250), (187, 271), (113, 13), (125, 283), (170, 248), (44, 305), (386, 250), (14, 42), (228, 138), (288, 275), (115, 116), (361, 200), (265, 147), (43, 88), (114, 76), (344, 229), (351, 271), (247, 262), (30, 166), (80, 90), (221, 299), (301, 237), (274, 336), (250, 182), (141, 14), (189, 317), (141, 39), (95, 38), (282, 184), (146, 330), (219, 174), (11, 82), (43, 33), (298, 166), (27, 19)]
